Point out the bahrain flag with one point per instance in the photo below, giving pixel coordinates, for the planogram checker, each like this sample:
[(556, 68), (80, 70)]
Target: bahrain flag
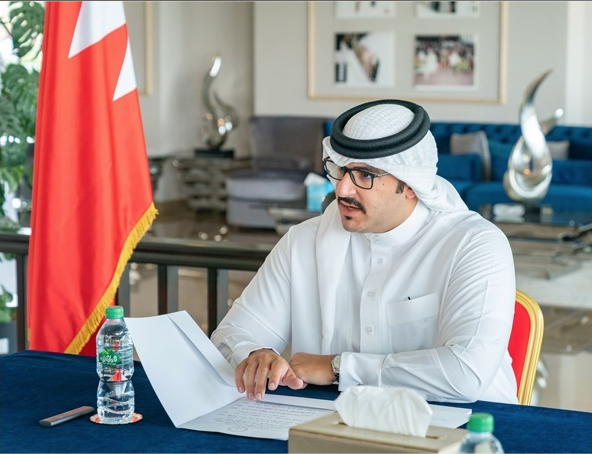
[(92, 195)]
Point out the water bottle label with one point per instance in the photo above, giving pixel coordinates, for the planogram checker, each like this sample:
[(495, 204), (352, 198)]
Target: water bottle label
[(109, 358)]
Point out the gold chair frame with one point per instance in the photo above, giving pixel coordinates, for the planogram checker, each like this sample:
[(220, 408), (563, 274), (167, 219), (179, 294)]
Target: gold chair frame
[(533, 351)]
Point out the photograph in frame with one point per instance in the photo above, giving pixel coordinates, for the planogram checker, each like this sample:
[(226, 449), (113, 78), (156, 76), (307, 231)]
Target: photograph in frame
[(446, 9), (364, 59), (444, 62), (479, 74), (357, 10)]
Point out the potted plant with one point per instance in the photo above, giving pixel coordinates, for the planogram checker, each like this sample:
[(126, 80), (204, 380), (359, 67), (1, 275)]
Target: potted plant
[(18, 98), (18, 111)]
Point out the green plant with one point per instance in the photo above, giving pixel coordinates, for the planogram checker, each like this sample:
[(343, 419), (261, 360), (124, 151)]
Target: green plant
[(18, 111), (7, 313), (18, 99)]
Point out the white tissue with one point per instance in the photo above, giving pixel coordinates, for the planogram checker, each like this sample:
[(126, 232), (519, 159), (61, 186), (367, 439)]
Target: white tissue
[(314, 179), (390, 409)]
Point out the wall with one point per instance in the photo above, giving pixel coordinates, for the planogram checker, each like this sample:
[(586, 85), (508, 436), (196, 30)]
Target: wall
[(537, 36), (579, 67), (185, 37), (264, 69)]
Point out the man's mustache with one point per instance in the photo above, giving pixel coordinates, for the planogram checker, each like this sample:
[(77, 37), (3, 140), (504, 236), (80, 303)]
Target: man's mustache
[(353, 202)]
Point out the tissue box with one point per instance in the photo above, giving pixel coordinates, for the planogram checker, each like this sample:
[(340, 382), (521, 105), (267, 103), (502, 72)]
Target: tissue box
[(315, 193), (330, 434)]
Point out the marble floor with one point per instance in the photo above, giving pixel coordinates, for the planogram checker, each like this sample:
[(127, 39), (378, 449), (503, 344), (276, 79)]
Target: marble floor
[(563, 380)]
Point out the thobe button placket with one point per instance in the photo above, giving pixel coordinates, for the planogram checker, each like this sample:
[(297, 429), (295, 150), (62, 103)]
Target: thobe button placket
[(370, 307)]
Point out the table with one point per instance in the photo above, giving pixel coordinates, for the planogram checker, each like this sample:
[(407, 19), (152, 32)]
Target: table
[(35, 385), (552, 254)]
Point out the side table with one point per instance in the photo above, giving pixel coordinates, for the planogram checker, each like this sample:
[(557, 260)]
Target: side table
[(203, 176)]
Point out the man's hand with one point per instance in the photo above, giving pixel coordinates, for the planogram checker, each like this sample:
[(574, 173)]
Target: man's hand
[(252, 374), (313, 369)]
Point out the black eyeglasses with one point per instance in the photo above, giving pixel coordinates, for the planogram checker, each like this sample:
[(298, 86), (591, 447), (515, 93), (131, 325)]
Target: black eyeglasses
[(360, 177)]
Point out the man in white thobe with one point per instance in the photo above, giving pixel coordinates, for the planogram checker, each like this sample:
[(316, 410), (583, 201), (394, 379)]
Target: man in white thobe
[(397, 283)]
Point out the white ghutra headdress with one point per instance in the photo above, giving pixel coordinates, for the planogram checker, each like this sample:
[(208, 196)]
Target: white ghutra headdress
[(394, 136)]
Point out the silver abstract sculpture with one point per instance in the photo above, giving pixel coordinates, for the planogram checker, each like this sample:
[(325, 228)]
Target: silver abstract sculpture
[(220, 118), (530, 165)]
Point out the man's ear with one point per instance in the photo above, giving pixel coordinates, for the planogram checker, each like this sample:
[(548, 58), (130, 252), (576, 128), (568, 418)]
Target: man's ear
[(409, 193)]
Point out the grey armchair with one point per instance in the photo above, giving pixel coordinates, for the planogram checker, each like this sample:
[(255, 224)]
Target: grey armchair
[(284, 150)]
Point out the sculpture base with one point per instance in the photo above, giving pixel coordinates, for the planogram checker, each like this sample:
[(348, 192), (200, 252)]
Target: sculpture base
[(519, 212), (214, 153), (542, 213)]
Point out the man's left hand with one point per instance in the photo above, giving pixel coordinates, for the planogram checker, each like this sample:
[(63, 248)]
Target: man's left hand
[(313, 369)]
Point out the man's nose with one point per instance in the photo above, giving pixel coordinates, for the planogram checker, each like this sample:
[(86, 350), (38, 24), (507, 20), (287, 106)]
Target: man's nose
[(345, 187)]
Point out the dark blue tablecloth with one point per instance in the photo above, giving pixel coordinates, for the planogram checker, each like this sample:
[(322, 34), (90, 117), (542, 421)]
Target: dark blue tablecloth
[(36, 385)]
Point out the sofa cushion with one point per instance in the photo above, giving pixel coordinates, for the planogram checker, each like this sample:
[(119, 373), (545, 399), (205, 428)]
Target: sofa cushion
[(484, 193), (559, 150), (580, 149), (560, 196), (572, 172), (442, 143), (564, 197), (474, 142), (460, 167), (500, 153), (579, 137), (462, 186), (565, 171), (499, 166)]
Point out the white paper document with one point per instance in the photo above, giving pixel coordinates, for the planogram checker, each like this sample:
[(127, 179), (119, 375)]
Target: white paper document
[(451, 417), (195, 385)]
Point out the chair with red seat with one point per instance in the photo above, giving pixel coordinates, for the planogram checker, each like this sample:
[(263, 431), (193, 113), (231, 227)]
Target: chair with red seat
[(525, 344)]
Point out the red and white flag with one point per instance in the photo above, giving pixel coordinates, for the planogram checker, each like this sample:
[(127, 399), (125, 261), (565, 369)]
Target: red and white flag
[(92, 196)]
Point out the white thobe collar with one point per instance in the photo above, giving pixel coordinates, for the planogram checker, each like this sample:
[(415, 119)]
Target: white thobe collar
[(404, 232)]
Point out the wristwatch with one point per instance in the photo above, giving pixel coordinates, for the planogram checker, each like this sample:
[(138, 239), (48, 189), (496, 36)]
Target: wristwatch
[(336, 365)]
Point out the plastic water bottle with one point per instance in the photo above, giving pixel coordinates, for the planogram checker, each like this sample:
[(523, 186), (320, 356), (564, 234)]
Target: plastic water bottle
[(480, 437), (115, 366)]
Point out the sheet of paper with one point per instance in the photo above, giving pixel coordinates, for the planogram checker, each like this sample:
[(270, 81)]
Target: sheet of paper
[(262, 419), (204, 345), (193, 381), (185, 382), (451, 417)]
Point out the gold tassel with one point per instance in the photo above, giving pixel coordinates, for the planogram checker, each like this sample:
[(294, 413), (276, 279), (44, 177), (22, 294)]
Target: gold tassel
[(97, 314)]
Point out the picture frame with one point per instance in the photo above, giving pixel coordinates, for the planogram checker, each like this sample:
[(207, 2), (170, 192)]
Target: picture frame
[(449, 56), (139, 25)]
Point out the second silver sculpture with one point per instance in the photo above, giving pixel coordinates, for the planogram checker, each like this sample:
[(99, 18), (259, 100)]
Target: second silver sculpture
[(220, 118), (530, 165)]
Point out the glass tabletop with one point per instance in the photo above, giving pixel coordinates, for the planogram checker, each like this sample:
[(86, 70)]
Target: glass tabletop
[(543, 215)]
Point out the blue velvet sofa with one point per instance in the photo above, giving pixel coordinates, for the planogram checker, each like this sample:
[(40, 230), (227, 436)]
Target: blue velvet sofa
[(478, 185), (571, 185)]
